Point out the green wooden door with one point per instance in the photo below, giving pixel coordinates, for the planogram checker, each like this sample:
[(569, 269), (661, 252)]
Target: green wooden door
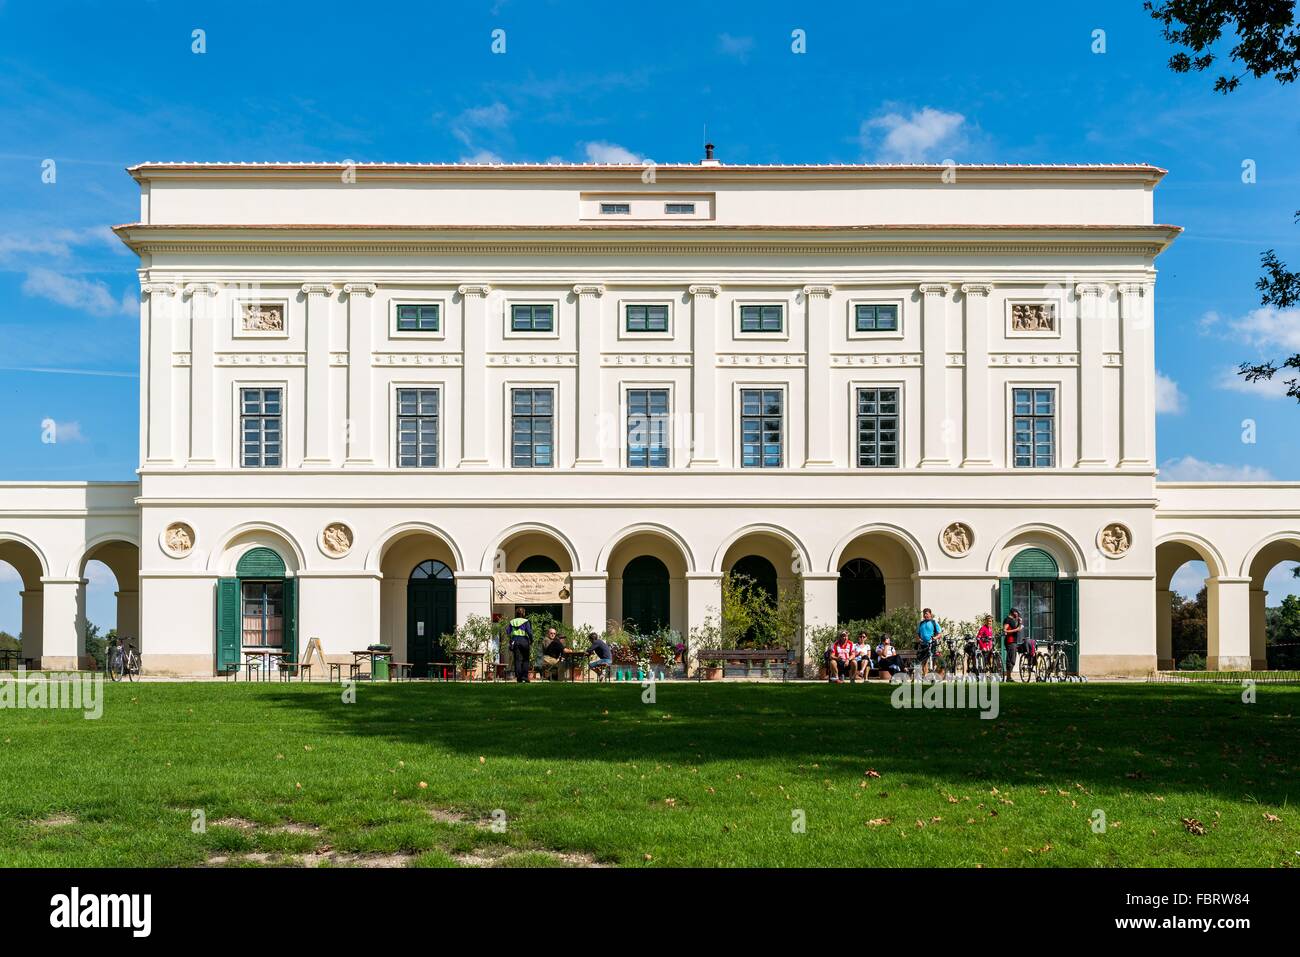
[(430, 614), (228, 625)]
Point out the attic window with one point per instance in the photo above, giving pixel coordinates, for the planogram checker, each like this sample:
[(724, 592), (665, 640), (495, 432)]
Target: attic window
[(615, 209), (679, 209)]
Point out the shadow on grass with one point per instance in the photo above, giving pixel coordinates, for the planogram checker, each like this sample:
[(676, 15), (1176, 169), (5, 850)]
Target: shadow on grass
[(1140, 738)]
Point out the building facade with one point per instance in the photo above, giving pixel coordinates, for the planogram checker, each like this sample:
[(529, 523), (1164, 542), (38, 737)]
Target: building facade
[(367, 389)]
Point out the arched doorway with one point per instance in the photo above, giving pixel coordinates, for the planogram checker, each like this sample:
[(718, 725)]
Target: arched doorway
[(110, 601), (1048, 603), (1275, 605), (21, 570), (860, 594), (540, 563), (1183, 628), (759, 571), (645, 595), (258, 608), (430, 613)]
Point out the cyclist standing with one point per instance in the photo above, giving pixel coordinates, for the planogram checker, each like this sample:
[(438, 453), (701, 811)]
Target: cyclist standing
[(926, 633), (1011, 629)]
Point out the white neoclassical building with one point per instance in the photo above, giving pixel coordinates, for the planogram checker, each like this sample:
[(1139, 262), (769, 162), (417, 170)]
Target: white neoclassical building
[(366, 389)]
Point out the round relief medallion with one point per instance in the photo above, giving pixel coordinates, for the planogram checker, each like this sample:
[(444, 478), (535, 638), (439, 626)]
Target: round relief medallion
[(178, 539), (957, 539), (1114, 540), (336, 540)]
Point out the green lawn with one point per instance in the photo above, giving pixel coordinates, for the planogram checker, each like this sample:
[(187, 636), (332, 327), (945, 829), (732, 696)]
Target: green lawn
[(710, 775)]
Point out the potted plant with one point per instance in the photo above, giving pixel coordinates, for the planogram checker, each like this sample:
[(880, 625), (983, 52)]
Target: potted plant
[(708, 636), (477, 634)]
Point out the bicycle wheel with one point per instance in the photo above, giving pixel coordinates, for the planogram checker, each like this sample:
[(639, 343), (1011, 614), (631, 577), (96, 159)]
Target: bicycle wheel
[(113, 662), (131, 665), (1026, 667)]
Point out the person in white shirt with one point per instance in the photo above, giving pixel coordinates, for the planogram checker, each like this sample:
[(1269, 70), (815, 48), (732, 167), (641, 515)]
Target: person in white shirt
[(887, 656), (862, 653)]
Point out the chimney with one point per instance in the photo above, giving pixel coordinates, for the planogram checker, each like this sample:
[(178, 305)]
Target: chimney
[(708, 156)]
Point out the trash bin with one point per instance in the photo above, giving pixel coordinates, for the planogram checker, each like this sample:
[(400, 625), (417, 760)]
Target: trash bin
[(379, 668)]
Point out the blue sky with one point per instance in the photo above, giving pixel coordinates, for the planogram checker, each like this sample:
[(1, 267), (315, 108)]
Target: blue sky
[(98, 86)]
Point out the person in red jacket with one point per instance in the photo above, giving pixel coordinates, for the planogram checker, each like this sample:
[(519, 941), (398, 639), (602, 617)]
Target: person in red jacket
[(843, 660)]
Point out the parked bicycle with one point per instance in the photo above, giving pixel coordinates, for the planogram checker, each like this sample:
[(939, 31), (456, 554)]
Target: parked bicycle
[(1053, 661), (121, 660), (1028, 659)]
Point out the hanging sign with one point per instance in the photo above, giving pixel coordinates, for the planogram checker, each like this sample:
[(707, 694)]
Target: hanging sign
[(531, 588)]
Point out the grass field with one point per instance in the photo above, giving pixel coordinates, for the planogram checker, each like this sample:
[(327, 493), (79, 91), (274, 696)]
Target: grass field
[(709, 775)]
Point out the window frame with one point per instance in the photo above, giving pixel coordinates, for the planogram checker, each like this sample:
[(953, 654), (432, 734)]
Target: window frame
[(397, 302), (625, 390), (854, 460), (669, 211), (852, 318), (625, 209), (283, 416), (554, 389), (509, 319), (396, 423), (1054, 418), (739, 424), (625, 333), (737, 322)]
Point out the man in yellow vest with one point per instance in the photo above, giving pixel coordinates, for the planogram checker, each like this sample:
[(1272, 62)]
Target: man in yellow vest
[(520, 630)]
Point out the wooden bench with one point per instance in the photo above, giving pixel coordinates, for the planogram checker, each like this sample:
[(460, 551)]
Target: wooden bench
[(288, 669), (399, 670), (748, 657)]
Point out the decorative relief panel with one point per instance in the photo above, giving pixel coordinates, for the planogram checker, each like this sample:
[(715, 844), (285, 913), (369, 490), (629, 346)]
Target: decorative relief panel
[(261, 316), (1114, 540), (1039, 317), (290, 359), (956, 539), (178, 539), (1034, 359), (679, 359), (532, 359), (414, 359), (336, 540), (756, 359), (896, 359)]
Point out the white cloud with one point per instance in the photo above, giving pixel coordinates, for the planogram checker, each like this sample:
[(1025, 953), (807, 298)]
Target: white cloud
[(1230, 380), (1264, 328), (482, 156), (1170, 399), (68, 432), (492, 117), (610, 153), (927, 134), (1191, 469), (1280, 582), (76, 293), (738, 47), (59, 243), (1189, 579)]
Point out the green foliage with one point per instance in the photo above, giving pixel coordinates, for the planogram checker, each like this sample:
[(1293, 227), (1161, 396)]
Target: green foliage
[(1282, 634), (476, 633), (1187, 626), (95, 645), (1192, 662), (751, 619), (9, 643)]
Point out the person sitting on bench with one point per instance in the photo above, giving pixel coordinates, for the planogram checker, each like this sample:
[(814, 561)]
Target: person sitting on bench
[(842, 660), (887, 657), (600, 648), (862, 653), (552, 655)]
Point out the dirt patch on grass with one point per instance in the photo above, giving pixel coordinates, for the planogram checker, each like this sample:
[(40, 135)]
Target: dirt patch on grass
[(317, 858), (443, 816), (247, 826), (56, 820), (494, 857)]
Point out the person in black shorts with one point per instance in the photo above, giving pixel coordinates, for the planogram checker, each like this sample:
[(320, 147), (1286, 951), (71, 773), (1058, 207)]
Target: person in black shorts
[(1012, 628)]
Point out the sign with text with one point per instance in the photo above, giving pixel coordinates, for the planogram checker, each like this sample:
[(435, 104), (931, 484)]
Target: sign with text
[(531, 588)]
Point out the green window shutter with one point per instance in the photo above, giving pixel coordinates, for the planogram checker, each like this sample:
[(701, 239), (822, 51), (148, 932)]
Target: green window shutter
[(291, 618), (1067, 617), (227, 624), (1033, 563), (1004, 598), (260, 563)]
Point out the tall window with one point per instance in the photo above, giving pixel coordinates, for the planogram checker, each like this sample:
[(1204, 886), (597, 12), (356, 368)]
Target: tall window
[(761, 428), (878, 415), (875, 317), (263, 613), (418, 318), (417, 428), (769, 318), (532, 428), (1034, 428), (261, 422), (650, 318), (532, 318), (647, 428)]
